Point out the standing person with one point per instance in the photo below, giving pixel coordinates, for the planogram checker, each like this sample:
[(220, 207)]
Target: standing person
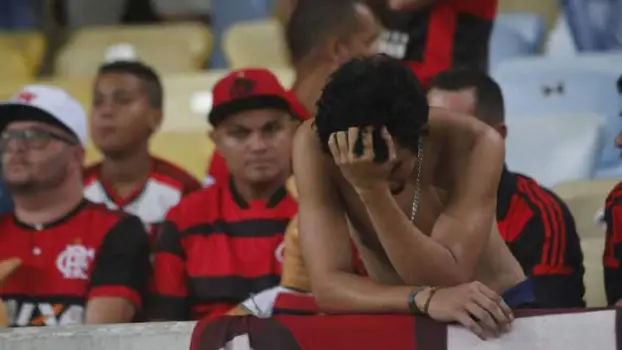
[(535, 223), (434, 35), (320, 35), (80, 262), (127, 110), (225, 242)]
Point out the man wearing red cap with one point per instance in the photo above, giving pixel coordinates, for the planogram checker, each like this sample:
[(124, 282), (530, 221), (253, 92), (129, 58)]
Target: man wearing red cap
[(225, 242), (320, 36)]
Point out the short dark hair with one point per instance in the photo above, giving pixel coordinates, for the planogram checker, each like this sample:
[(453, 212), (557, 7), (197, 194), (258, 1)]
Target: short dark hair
[(314, 20), (146, 74), (489, 106), (377, 91)]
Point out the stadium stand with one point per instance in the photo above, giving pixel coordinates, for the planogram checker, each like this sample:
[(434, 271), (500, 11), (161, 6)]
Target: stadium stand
[(32, 45), (529, 26), (256, 44), (547, 10), (87, 49), (195, 36), (586, 198), (507, 43), (540, 86), (14, 67), (555, 148)]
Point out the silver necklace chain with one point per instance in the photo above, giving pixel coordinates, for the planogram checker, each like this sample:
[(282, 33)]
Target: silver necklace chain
[(415, 206)]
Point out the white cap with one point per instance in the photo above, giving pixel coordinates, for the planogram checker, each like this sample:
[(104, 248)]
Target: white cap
[(55, 103)]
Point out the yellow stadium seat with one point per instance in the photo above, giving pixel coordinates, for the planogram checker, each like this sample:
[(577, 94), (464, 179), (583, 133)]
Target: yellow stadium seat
[(171, 57), (189, 150), (547, 9), (81, 88), (189, 98), (586, 199), (256, 44), (196, 38), (32, 45), (14, 66)]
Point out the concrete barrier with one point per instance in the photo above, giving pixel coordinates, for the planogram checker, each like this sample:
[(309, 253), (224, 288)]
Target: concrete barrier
[(139, 336)]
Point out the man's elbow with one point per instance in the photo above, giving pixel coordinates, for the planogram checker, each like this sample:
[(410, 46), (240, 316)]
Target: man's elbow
[(326, 292)]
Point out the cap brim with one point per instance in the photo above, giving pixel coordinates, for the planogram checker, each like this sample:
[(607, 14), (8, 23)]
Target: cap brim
[(12, 111), (222, 111)]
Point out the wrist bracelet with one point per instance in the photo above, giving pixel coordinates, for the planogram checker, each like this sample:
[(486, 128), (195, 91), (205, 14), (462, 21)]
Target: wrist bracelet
[(412, 305), (426, 307)]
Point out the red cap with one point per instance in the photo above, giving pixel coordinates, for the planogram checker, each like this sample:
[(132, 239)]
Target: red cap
[(247, 89)]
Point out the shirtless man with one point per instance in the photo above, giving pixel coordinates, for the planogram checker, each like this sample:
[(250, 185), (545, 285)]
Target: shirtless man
[(416, 194)]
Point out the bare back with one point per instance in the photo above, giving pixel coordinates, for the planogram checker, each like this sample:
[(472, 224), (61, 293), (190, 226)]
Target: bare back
[(496, 266)]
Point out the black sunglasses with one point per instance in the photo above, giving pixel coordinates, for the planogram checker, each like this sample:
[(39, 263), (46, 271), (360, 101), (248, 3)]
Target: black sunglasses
[(33, 138)]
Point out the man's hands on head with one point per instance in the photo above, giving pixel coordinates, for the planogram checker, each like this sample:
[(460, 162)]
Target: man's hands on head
[(353, 152)]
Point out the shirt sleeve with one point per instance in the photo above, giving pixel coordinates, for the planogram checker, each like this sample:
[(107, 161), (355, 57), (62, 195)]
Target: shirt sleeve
[(122, 266), (549, 251), (169, 298), (612, 256)]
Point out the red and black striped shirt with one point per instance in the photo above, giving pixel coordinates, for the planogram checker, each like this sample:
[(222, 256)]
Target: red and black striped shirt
[(91, 252), (541, 233), (612, 256), (444, 34), (215, 249)]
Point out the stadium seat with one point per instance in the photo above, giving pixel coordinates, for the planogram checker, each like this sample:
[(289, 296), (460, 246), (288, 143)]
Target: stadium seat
[(32, 45), (506, 44), (586, 200), (195, 37), (529, 26), (189, 150), (226, 13), (547, 10), (161, 48), (256, 44), (585, 84), (14, 67), (189, 98), (555, 148)]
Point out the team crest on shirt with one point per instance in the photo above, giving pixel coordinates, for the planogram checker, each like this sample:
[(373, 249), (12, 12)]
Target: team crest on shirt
[(73, 262)]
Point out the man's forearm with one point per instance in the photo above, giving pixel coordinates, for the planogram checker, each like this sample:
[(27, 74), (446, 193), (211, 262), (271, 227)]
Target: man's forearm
[(345, 292), (417, 258)]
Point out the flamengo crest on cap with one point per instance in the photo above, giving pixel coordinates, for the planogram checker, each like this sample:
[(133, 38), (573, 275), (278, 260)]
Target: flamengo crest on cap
[(26, 97), (241, 87)]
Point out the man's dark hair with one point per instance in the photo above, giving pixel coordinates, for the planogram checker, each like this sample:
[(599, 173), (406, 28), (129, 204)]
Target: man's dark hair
[(144, 73), (315, 20), (489, 105), (377, 91)]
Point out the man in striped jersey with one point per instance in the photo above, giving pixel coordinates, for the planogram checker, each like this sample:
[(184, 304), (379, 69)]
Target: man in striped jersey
[(535, 223)]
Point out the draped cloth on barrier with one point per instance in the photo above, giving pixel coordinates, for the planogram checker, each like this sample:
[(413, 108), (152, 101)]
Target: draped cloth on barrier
[(534, 330)]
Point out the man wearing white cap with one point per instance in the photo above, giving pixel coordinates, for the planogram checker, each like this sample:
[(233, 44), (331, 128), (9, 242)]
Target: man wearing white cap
[(80, 262)]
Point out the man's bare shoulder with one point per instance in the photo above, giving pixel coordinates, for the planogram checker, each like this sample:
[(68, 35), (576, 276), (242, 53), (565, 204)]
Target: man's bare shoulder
[(306, 138), (443, 120)]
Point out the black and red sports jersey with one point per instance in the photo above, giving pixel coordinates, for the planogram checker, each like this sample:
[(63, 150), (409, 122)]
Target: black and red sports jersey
[(612, 256), (166, 185), (540, 231), (215, 249), (91, 252), (217, 170), (444, 34)]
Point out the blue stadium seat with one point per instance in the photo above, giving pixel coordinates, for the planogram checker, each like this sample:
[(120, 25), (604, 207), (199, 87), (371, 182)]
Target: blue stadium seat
[(555, 148), (586, 84), (227, 12), (529, 26), (506, 44)]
